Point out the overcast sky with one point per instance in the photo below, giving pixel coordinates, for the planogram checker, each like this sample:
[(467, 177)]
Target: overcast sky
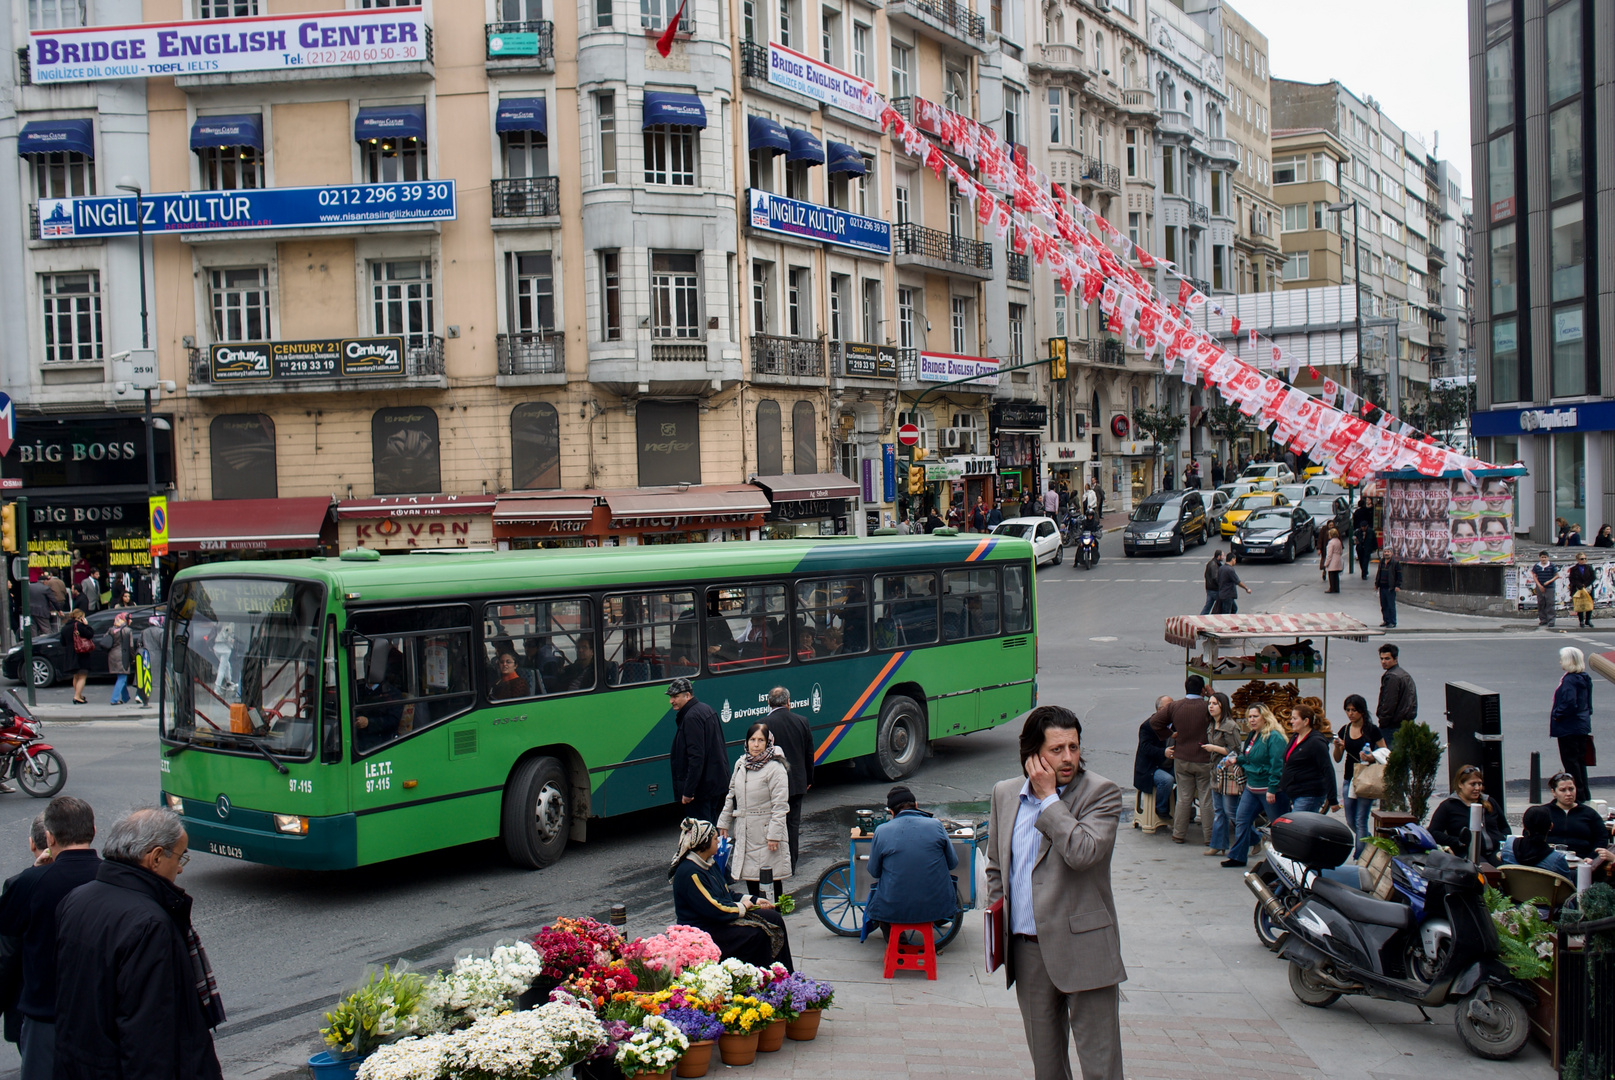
[(1409, 55)]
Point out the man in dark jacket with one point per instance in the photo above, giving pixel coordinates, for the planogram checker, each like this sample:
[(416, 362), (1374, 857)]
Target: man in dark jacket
[(1228, 586), (69, 830), (16, 890), (1362, 532), (1213, 582), (912, 861), (1398, 697), (137, 999), (1187, 723), (1152, 764), (699, 761), (793, 736), (1388, 580)]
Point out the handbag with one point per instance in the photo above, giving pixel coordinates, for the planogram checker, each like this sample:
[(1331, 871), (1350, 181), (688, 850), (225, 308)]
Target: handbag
[(1368, 781), (1582, 601), (82, 643), (1228, 780)]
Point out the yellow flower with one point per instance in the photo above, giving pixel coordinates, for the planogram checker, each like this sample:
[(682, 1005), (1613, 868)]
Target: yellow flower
[(766, 1009)]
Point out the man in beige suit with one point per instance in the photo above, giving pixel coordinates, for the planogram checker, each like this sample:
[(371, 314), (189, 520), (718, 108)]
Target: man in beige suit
[(1048, 858)]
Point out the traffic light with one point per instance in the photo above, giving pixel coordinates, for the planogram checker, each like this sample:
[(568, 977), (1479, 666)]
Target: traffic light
[(916, 479), (8, 526), (1057, 359), (920, 452)]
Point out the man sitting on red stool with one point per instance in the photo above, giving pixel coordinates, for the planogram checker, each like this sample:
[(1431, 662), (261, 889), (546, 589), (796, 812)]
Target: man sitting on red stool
[(911, 860)]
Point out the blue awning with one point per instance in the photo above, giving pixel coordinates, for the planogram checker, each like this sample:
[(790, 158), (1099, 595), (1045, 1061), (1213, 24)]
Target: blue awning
[(844, 158), (683, 110), (245, 130), (54, 136), (804, 147), (391, 122), (765, 134), (522, 114)]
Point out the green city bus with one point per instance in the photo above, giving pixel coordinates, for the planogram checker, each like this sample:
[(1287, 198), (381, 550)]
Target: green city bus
[(332, 712)]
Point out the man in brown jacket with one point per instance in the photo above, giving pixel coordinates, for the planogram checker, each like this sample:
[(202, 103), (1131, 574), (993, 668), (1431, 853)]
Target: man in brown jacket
[(1188, 722), (1048, 858)]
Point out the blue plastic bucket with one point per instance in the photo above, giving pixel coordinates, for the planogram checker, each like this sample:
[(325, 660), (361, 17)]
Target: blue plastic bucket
[(323, 1066)]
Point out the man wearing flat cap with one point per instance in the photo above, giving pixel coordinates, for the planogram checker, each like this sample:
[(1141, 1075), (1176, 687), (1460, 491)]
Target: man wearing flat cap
[(911, 861), (699, 761)]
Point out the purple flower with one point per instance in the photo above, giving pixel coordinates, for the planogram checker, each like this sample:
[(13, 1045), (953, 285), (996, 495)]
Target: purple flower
[(696, 1024), (616, 1031)]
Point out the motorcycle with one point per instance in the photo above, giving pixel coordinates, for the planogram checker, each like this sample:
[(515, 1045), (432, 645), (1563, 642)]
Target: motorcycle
[(1088, 547), (1442, 950), (24, 755)]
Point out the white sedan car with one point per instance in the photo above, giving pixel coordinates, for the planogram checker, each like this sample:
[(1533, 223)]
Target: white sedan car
[(1041, 531)]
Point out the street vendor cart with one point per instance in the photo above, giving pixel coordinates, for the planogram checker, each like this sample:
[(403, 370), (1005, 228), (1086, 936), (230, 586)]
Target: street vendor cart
[(843, 889), (1221, 649)]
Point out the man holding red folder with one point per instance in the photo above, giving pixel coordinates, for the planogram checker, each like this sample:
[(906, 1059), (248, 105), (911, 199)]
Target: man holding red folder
[(1048, 870)]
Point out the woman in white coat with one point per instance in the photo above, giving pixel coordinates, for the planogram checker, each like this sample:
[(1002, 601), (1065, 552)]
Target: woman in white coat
[(754, 813)]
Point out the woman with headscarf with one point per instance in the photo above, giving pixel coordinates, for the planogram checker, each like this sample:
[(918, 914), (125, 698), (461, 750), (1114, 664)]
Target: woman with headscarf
[(755, 811), (746, 929)]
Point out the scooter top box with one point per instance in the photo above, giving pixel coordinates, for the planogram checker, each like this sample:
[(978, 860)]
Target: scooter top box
[(1320, 842)]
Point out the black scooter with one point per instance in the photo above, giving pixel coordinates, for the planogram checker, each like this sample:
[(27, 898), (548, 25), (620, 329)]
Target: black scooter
[(1341, 940)]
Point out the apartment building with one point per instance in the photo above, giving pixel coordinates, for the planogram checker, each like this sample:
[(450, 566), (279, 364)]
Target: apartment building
[(1544, 366)]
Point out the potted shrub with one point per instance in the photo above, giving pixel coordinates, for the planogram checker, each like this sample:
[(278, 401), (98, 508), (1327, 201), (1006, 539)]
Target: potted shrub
[(702, 1029), (1410, 772), (743, 1018)]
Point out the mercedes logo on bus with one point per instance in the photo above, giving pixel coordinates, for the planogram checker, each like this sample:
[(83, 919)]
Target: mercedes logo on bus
[(223, 804)]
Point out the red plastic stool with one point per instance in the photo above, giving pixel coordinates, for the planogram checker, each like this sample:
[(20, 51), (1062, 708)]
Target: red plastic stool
[(900, 957)]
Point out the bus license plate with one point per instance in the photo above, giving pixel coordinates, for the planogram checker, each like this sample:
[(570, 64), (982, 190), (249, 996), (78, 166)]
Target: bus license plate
[(226, 850)]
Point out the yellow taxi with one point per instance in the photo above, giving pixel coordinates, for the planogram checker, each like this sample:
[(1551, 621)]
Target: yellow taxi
[(1241, 508), (1312, 470)]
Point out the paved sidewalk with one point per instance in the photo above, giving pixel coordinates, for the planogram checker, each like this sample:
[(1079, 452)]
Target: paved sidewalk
[(1203, 999)]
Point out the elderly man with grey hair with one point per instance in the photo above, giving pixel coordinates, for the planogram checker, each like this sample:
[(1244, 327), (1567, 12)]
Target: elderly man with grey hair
[(136, 996), (793, 736)]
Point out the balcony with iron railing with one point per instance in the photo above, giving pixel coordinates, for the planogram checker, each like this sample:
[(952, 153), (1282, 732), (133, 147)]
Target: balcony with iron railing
[(1435, 254), (1017, 267), (908, 365), (527, 197), (1199, 214), (1096, 174), (521, 46), (942, 20), (1107, 351), (538, 352), (915, 245), (774, 357)]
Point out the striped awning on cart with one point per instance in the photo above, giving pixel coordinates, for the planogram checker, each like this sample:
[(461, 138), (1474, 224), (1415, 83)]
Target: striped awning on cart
[(1183, 629)]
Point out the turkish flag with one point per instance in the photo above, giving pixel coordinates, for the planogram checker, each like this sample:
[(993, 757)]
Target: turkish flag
[(664, 44), (1235, 327)]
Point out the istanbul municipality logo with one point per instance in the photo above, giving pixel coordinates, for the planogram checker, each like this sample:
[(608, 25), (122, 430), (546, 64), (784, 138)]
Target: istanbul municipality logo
[(726, 713), (817, 699)]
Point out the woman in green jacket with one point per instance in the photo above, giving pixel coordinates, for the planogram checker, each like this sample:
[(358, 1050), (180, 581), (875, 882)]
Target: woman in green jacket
[(1262, 758)]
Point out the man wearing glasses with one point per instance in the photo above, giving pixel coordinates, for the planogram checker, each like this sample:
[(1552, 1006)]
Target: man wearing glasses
[(1580, 580), (136, 985)]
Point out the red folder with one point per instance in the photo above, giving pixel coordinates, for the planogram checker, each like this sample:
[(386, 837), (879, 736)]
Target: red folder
[(994, 937)]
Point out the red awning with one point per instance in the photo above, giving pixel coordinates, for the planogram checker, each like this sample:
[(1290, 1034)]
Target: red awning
[(529, 509), (405, 506), (247, 524), (708, 501), (1182, 629)]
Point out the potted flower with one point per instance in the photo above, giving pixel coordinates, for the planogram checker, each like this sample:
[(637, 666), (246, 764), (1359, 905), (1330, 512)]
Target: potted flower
[(380, 1010), (409, 1057), (1526, 944), (656, 961), (569, 946), (531, 1045), (652, 1049), (776, 994), (807, 998), (479, 986), (743, 1019), (701, 1028)]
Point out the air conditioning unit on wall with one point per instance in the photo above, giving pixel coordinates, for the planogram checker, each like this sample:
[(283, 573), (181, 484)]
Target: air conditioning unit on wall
[(951, 437)]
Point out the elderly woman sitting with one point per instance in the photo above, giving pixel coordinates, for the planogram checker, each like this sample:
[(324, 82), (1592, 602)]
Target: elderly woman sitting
[(749, 930)]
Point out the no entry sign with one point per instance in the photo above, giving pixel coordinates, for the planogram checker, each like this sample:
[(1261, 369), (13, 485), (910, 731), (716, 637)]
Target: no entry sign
[(908, 434)]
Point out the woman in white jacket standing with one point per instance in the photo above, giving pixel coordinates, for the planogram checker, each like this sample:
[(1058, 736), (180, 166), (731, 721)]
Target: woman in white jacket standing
[(754, 813)]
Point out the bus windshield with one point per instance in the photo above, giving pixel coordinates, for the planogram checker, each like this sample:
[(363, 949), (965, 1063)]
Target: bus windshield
[(243, 665)]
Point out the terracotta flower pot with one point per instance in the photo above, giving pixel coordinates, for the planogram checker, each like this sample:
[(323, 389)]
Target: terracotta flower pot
[(804, 1028), (697, 1059), (738, 1049), (667, 1075), (771, 1038)]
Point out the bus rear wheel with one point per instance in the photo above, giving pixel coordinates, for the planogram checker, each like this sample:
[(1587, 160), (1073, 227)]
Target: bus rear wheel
[(900, 739), (538, 813)]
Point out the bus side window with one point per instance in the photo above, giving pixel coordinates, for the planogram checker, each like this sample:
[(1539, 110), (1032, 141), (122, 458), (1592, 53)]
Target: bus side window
[(746, 627), (412, 669), (330, 710), (832, 617), (970, 603), (1017, 602), (905, 610), (650, 637)]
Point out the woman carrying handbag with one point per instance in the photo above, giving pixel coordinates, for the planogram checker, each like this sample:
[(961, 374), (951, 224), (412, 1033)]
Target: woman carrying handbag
[(1363, 777), (1227, 781), (78, 642)]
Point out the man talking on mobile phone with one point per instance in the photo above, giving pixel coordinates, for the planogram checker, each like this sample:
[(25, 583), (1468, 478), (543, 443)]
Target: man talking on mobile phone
[(1048, 858)]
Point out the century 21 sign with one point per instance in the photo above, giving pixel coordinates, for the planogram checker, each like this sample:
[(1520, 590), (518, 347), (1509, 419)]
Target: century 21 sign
[(330, 358)]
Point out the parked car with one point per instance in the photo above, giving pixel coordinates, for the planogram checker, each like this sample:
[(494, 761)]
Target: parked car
[(1165, 521), (1335, 508), (1242, 507), (49, 661), (1041, 531), (1276, 471), (1275, 532)]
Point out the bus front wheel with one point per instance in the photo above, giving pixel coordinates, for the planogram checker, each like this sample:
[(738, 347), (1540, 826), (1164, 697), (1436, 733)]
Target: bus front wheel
[(538, 813), (900, 739)]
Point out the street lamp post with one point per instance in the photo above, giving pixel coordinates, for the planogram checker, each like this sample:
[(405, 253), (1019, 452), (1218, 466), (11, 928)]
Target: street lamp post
[(129, 184), (1356, 281)]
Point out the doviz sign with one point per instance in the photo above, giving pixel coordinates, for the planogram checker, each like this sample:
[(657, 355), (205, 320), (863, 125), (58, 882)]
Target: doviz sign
[(262, 361), (252, 208), (805, 75), (870, 361), (210, 46), (775, 213)]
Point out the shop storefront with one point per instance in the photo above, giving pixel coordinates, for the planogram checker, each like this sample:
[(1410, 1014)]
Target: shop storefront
[(811, 504), (395, 523), (1067, 463), (1139, 465), (1564, 448), (528, 520), (214, 530), (1017, 435), (85, 481), (697, 514)]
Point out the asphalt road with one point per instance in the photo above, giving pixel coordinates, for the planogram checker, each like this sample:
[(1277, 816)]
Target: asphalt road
[(285, 943)]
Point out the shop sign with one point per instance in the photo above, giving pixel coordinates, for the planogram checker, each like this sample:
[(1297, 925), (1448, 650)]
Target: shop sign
[(338, 206), (1020, 415), (396, 534), (85, 523), (948, 469), (888, 463), (821, 82), (806, 509), (1067, 451), (792, 217), (329, 358), (669, 434), (866, 468), (869, 361), (90, 451), (946, 367), (1583, 416), (128, 548), (204, 47)]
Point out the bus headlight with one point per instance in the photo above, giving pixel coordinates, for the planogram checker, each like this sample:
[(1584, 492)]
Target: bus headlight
[(291, 824), (175, 803)]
